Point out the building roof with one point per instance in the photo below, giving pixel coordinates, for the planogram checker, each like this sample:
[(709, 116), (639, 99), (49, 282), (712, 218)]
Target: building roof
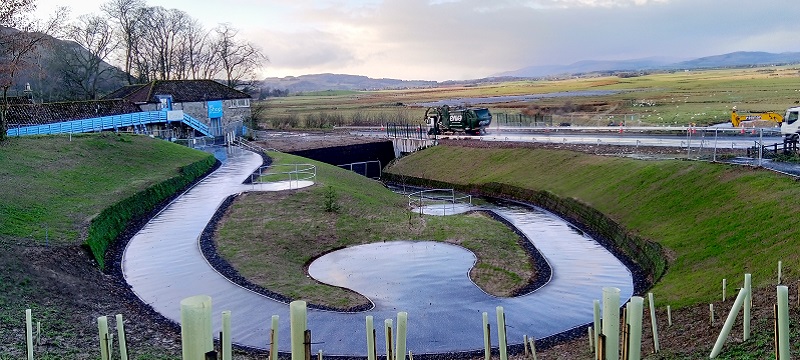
[(16, 100), (48, 113), (181, 91)]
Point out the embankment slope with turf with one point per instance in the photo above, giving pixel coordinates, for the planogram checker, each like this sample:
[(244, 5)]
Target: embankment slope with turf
[(712, 220)]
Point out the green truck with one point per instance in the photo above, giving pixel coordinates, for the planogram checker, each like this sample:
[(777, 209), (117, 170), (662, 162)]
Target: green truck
[(447, 120)]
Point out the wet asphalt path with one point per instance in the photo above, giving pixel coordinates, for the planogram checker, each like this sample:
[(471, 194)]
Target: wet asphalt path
[(163, 264)]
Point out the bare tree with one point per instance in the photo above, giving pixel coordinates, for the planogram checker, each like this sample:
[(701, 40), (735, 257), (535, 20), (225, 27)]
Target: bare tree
[(125, 15), (21, 37), (82, 64), (239, 60)]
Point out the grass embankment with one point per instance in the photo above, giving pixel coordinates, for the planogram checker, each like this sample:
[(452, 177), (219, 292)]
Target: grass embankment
[(270, 237), (716, 221), (52, 188)]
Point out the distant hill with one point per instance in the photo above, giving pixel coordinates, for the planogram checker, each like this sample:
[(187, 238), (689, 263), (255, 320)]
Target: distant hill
[(588, 66), (47, 75), (734, 59), (321, 82), (741, 58)]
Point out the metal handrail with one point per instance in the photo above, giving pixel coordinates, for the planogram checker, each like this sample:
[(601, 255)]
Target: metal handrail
[(421, 199), (366, 167), (284, 172)]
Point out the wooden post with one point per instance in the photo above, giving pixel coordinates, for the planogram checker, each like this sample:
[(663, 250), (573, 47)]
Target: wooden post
[(625, 333), (532, 343), (374, 341), (591, 338), (307, 344), (601, 347), (487, 342), (775, 329), (273, 345), (389, 345)]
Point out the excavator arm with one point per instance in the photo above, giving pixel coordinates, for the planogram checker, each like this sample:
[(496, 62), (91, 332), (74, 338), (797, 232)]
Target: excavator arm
[(737, 119)]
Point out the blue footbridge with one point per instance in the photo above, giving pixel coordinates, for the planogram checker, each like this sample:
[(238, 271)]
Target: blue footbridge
[(138, 121)]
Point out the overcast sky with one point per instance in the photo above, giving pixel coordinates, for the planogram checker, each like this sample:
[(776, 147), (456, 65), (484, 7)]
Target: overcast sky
[(469, 39)]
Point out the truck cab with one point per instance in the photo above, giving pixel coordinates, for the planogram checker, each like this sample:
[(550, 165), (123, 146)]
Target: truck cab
[(790, 128)]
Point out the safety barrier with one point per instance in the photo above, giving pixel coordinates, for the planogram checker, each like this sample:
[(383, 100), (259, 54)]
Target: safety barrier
[(442, 199), (282, 173), (365, 166), (136, 120)]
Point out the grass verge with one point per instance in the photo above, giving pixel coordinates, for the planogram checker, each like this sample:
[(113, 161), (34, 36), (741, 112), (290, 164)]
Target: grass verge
[(54, 186), (270, 237)]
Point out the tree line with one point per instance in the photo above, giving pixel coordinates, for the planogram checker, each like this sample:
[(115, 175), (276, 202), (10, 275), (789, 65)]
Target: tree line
[(145, 43)]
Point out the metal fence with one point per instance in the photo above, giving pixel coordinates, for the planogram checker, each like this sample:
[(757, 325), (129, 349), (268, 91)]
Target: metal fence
[(371, 169), (439, 201), (292, 173)]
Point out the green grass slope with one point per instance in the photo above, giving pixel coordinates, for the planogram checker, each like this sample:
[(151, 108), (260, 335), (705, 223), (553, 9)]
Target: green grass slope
[(716, 221), (53, 186), (270, 237)]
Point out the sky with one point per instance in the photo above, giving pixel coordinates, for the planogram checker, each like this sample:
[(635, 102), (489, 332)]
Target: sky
[(470, 39)]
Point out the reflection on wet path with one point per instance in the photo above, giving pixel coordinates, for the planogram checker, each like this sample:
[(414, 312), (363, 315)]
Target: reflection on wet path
[(163, 264)]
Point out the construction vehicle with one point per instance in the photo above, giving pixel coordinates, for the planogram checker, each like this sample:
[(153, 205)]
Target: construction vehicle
[(446, 120), (790, 128), (737, 120)]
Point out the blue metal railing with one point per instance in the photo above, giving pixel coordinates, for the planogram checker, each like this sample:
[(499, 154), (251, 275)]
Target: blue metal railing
[(114, 122)]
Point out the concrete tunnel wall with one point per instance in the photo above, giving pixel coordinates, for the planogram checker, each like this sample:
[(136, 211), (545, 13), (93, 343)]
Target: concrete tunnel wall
[(338, 155)]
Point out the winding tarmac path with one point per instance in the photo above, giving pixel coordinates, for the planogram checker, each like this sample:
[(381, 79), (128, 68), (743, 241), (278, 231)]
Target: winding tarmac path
[(163, 265)]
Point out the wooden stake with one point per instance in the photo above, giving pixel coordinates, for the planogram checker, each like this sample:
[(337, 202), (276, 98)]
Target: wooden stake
[(601, 347), (532, 343), (775, 328), (307, 343), (390, 346), (591, 338), (374, 341), (273, 345), (625, 333)]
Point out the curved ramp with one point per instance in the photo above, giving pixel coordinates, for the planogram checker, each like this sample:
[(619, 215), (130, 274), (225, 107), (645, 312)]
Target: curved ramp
[(163, 264)]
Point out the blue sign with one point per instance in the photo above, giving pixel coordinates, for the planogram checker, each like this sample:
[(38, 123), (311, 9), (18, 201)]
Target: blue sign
[(214, 109)]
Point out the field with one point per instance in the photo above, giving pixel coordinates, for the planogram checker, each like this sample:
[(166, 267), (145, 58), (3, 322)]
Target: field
[(700, 97)]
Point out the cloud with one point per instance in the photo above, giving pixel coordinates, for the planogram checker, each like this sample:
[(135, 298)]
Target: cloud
[(457, 39)]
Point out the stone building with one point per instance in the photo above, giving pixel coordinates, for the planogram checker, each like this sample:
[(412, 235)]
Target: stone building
[(222, 108)]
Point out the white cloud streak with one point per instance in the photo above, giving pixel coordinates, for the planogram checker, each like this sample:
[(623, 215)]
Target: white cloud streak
[(460, 39)]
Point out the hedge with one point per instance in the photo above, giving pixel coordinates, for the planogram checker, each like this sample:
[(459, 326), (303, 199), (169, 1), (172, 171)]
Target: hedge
[(112, 221)]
